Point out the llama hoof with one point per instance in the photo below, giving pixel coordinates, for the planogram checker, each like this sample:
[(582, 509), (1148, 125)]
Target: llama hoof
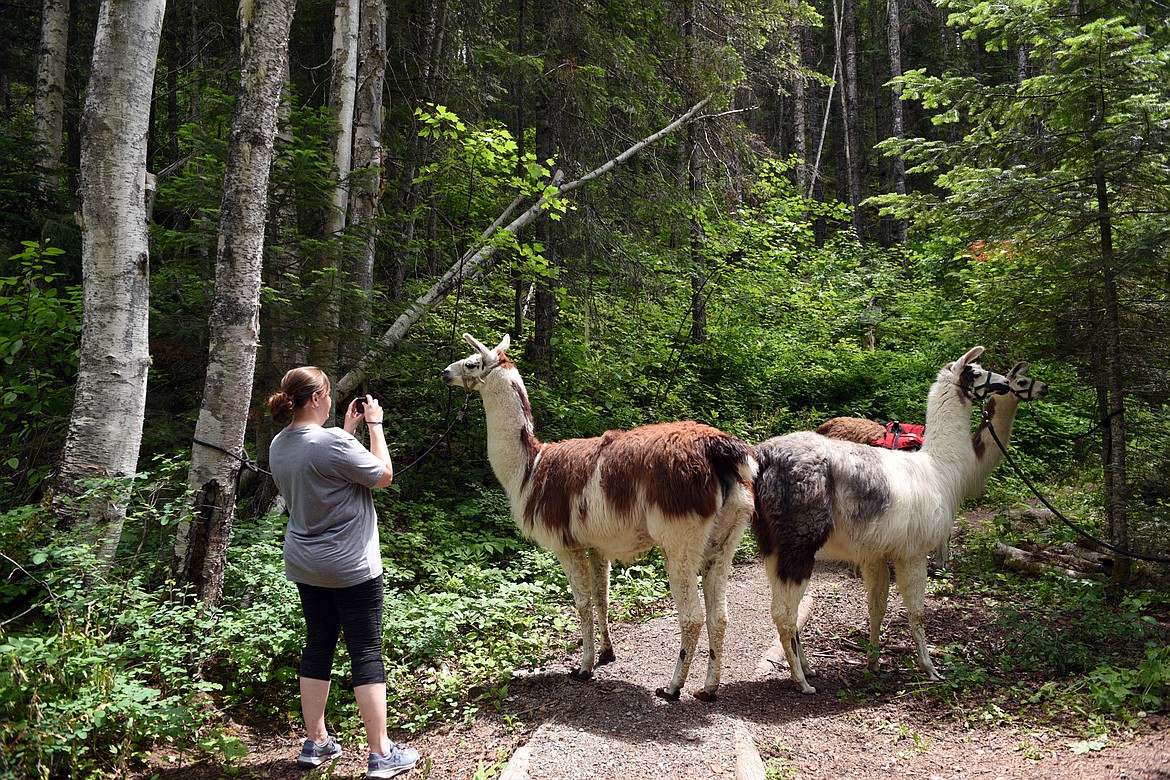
[(580, 674), (702, 695), (663, 693), (606, 657), (807, 689)]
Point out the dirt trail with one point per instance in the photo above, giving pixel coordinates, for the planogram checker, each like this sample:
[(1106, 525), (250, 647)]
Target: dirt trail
[(551, 727)]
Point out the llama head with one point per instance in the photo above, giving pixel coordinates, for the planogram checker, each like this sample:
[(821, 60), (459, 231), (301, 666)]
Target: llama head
[(471, 372), (1023, 386), (974, 380)]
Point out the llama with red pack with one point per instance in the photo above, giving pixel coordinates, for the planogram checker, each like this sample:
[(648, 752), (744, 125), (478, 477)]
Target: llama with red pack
[(869, 506), (1000, 416)]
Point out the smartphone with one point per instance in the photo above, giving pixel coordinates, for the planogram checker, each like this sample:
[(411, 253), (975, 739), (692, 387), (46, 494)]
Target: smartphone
[(359, 405)]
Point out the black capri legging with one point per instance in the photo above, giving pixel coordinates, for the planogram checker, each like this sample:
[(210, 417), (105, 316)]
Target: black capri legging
[(356, 611)]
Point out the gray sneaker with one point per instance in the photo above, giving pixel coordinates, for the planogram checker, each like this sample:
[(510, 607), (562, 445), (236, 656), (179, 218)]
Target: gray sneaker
[(400, 759), (314, 754)]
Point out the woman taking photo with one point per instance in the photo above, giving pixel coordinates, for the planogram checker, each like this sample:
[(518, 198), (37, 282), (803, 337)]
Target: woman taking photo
[(331, 552)]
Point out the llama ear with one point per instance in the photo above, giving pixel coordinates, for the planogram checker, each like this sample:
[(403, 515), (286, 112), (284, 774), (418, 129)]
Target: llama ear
[(480, 348), (1019, 369), (961, 363), (505, 342)]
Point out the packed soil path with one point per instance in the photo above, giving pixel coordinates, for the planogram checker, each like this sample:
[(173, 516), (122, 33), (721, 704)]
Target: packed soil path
[(552, 727)]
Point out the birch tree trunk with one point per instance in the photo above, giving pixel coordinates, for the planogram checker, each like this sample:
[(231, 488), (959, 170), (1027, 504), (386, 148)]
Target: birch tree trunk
[(800, 114), (367, 181), (343, 91), (105, 430), (894, 37), (279, 313), (202, 538), (852, 115), (49, 101)]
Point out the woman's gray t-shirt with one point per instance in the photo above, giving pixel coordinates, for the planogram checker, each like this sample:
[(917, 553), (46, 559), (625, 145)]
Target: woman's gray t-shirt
[(325, 476)]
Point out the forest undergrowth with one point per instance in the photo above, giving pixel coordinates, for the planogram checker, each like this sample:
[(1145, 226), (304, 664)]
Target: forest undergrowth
[(97, 669)]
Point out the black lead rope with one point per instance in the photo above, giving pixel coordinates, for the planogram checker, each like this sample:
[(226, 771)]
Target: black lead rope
[(1055, 511), (458, 418), (247, 462), (244, 460), (251, 465)]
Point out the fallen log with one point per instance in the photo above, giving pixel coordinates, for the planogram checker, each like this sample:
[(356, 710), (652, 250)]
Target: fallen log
[(1047, 562)]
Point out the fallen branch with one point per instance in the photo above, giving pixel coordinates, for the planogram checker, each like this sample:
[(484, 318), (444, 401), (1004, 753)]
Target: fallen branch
[(480, 257), (1046, 562)]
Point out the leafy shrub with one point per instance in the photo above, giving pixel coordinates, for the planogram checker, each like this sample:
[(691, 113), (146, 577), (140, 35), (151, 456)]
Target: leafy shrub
[(1145, 687), (40, 323), (105, 678)]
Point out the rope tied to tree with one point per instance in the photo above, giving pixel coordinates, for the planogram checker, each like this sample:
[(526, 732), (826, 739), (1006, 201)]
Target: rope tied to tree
[(1056, 512), (244, 460)]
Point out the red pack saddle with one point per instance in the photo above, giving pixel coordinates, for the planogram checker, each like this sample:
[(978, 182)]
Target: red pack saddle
[(901, 436)]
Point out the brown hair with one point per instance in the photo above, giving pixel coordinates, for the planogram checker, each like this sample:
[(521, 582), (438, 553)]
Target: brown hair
[(296, 389)]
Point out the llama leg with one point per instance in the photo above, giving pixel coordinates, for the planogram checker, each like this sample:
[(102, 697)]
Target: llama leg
[(942, 555), (912, 585), (715, 598), (785, 606), (681, 571), (799, 646), (576, 566), (599, 576), (876, 574)]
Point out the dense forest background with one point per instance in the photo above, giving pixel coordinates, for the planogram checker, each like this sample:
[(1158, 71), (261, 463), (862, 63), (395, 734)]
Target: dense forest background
[(777, 212)]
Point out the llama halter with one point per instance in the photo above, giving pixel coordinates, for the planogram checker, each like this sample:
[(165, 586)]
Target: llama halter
[(986, 386), (1028, 391)]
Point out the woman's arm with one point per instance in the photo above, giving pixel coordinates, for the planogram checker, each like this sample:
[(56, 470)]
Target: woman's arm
[(373, 417)]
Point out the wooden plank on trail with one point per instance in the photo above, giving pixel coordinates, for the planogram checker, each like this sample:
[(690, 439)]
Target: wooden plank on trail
[(748, 764)]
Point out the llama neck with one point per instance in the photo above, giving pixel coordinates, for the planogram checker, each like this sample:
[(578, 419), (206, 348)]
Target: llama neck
[(512, 446), (948, 439), (1001, 411)]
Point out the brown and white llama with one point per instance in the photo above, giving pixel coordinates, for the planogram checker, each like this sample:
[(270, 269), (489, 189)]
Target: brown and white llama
[(1000, 410), (684, 487), (867, 505)]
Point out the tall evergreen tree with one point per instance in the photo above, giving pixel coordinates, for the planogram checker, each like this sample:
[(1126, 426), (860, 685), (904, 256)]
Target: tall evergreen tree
[(1063, 178)]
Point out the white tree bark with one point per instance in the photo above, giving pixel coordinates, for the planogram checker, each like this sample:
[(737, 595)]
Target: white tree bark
[(105, 430), (202, 538), (343, 91), (49, 101), (366, 185)]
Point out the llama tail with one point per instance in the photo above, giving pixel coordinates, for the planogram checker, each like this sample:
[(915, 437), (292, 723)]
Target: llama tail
[(733, 462)]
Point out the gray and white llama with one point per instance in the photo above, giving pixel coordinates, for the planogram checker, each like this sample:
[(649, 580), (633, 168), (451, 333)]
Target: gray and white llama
[(1000, 410), (867, 505), (682, 486)]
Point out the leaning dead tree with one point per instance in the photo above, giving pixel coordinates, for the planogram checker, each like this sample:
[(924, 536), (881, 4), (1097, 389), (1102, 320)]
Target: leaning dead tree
[(480, 257)]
